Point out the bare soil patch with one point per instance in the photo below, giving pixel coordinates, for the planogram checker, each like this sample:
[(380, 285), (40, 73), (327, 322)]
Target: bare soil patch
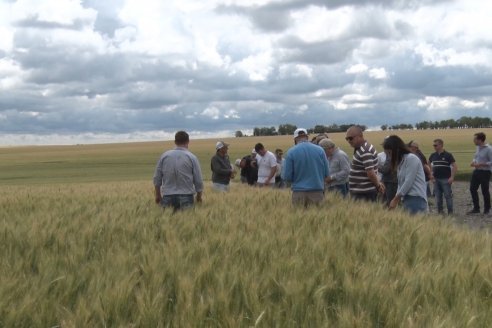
[(462, 204)]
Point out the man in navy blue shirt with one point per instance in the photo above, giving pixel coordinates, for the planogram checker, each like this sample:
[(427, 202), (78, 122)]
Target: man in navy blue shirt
[(306, 167), (443, 171)]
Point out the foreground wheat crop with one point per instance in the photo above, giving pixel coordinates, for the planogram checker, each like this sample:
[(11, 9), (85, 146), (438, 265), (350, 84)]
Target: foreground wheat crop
[(103, 255)]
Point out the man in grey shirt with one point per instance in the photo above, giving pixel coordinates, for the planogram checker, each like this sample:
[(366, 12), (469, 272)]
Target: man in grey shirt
[(482, 162), (339, 167), (178, 176)]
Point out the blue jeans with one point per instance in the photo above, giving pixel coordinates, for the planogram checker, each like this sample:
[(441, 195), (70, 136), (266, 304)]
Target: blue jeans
[(340, 188), (414, 204), (177, 202), (443, 188), (220, 187)]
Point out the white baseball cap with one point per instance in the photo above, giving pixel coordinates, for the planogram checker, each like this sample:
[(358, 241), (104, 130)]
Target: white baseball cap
[(301, 132), (221, 144)]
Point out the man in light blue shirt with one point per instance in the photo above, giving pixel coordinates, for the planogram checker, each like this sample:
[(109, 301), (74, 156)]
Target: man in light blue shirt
[(178, 176), (306, 167), (482, 162)]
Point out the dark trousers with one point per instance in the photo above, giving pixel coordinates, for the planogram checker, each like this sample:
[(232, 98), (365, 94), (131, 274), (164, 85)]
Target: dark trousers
[(480, 178)]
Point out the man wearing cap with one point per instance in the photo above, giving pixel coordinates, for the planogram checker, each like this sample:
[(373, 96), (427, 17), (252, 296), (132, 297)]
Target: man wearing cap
[(363, 180), (266, 162), (178, 176), (306, 167), (222, 170)]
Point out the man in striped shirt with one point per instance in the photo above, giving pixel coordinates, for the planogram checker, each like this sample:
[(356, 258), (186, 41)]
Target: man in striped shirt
[(363, 180)]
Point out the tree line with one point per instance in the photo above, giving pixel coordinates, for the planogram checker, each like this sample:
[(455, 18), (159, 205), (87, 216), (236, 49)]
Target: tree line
[(465, 122), (288, 129)]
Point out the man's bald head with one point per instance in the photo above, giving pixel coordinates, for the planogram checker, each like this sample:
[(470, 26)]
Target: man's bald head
[(354, 136)]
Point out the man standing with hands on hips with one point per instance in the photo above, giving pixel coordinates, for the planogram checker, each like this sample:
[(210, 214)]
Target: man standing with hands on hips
[(482, 162)]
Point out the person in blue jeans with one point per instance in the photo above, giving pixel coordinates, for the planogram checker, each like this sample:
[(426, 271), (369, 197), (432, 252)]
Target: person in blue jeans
[(178, 176), (444, 169), (412, 190)]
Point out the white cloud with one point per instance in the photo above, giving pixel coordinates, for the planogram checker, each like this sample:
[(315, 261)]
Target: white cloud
[(444, 103), (127, 68), (212, 112), (378, 73), (357, 69)]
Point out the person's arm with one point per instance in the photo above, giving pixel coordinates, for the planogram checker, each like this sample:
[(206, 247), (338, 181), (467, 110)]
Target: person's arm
[(287, 170), (454, 169), (273, 170), (371, 174), (158, 181), (158, 196), (197, 179), (431, 174)]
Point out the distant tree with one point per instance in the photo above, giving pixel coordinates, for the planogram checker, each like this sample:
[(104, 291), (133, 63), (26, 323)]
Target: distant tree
[(286, 129), (320, 129), (239, 134), (265, 131)]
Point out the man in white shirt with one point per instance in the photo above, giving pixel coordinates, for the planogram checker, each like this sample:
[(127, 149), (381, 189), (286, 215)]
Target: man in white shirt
[(267, 166)]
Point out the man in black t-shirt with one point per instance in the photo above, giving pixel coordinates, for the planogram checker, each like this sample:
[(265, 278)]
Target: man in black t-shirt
[(249, 169), (443, 171)]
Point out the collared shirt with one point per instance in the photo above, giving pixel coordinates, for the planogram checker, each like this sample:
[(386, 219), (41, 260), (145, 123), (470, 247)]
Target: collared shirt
[(365, 158), (339, 167), (178, 172), (483, 155), (306, 166), (441, 164)]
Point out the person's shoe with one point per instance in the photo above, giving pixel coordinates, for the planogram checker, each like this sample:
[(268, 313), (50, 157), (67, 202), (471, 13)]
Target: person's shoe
[(474, 211), (486, 212)]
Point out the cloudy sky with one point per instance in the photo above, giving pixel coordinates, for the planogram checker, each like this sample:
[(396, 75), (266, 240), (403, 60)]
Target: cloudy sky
[(120, 70)]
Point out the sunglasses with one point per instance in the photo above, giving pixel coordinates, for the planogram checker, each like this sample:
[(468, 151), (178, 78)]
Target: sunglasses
[(435, 145), (349, 138)]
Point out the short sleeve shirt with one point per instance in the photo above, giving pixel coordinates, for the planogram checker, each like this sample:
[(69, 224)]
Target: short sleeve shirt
[(365, 158), (441, 164)]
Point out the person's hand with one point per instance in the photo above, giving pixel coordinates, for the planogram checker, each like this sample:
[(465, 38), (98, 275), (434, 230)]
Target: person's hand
[(158, 199), (450, 180), (393, 204), (198, 198), (381, 188)]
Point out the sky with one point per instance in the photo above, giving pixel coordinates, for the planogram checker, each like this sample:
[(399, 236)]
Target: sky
[(94, 71)]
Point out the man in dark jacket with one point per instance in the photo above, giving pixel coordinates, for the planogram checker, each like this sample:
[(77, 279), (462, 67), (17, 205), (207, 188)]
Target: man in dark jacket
[(222, 170)]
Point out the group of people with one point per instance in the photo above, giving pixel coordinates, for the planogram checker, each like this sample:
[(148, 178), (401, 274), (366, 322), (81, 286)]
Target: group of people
[(399, 175)]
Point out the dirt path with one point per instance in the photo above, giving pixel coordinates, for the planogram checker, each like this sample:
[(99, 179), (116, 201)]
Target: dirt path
[(462, 204)]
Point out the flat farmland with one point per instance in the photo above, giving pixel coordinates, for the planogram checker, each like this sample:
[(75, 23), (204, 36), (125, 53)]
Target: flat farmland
[(136, 161)]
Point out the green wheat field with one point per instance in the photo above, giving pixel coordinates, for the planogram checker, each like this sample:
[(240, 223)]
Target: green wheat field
[(82, 244)]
